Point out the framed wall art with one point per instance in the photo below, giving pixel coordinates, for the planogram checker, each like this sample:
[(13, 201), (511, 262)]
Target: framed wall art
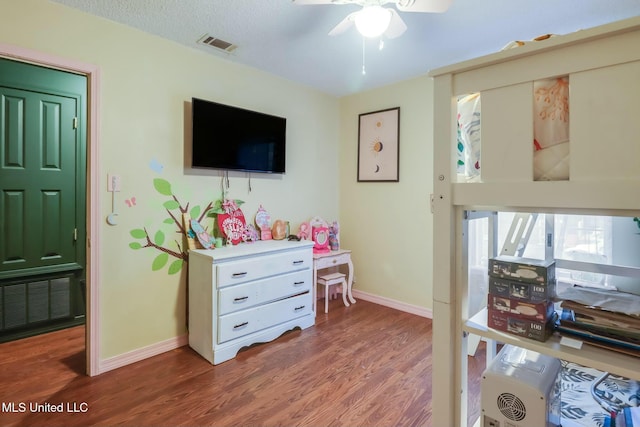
[(379, 146)]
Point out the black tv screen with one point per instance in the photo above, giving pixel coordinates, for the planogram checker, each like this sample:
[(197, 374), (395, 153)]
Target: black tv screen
[(232, 138)]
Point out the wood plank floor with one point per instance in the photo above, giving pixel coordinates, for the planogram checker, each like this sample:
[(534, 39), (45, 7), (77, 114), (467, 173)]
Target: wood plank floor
[(364, 365)]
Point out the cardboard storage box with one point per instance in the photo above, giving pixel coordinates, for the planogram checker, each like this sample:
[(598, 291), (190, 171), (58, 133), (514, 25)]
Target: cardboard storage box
[(522, 269), (530, 292), (540, 311), (539, 330)]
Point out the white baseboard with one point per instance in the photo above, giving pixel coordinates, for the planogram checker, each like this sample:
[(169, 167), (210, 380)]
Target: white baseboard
[(391, 303), (133, 356)]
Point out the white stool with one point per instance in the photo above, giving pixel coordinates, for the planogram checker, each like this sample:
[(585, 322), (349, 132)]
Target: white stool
[(332, 279)]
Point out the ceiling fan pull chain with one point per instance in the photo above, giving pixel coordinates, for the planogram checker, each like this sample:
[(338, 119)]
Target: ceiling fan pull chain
[(364, 72)]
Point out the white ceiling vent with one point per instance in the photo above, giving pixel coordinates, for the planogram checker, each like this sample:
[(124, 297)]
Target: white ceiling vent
[(217, 43)]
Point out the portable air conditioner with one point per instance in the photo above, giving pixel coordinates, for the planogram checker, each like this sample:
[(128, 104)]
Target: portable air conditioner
[(521, 388)]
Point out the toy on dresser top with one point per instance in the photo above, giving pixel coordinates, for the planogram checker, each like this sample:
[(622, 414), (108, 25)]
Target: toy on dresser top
[(325, 236), (231, 227), (520, 300)]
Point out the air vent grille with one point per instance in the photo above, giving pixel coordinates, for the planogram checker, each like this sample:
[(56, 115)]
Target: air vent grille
[(217, 43)]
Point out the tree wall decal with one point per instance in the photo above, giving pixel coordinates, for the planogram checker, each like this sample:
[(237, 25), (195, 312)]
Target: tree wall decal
[(175, 210)]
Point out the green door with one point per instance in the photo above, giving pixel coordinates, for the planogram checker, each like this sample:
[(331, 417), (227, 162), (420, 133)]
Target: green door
[(42, 197)]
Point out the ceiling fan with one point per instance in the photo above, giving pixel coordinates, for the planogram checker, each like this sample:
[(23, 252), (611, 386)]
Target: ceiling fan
[(374, 20)]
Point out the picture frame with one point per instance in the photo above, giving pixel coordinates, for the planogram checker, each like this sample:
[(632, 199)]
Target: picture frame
[(379, 146)]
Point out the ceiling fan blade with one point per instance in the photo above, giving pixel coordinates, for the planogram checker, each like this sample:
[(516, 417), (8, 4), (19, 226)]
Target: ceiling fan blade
[(344, 25), (432, 6), (305, 2), (396, 26)]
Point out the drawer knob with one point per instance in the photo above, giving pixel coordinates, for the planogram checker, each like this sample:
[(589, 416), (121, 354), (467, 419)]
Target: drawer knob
[(238, 299), (335, 261), (298, 283), (299, 308), (239, 275), (298, 262), (241, 325)]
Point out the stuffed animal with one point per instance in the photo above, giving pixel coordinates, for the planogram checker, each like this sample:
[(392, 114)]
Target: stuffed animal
[(304, 232)]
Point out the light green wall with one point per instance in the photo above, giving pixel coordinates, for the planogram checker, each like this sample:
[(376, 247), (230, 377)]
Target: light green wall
[(389, 225), (146, 86)]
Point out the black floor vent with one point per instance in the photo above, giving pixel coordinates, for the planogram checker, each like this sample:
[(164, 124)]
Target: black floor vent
[(34, 302)]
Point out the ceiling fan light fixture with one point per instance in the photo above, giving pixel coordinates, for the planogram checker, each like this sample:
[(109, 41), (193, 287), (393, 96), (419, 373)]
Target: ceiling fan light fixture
[(372, 21)]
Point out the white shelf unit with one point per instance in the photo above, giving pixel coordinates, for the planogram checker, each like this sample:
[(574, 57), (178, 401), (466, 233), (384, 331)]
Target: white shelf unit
[(626, 366), (603, 66)]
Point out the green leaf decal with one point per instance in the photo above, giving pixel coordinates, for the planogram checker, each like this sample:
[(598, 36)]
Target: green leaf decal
[(175, 266), (171, 204), (138, 233), (217, 207), (160, 261), (159, 238), (168, 221), (195, 211), (135, 245), (162, 186)]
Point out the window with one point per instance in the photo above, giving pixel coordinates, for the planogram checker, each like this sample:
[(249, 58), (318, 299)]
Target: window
[(596, 240)]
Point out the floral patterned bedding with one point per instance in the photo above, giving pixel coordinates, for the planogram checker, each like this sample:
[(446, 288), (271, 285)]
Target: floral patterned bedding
[(580, 408), (550, 132), (469, 137), (551, 129)]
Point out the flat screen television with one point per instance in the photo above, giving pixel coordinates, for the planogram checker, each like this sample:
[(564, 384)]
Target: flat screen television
[(236, 139)]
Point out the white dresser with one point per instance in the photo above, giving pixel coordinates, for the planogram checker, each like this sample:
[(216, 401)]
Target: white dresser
[(246, 294)]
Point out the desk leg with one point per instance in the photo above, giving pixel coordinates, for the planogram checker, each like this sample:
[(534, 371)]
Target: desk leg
[(345, 291), (315, 289), (350, 283)]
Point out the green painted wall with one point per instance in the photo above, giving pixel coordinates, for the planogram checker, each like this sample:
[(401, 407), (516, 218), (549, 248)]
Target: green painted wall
[(389, 225), (146, 87)]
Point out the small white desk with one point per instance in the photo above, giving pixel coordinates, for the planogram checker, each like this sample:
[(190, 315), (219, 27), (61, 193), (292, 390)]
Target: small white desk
[(333, 259)]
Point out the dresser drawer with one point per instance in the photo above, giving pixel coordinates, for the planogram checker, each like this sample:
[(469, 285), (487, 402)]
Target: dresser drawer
[(246, 295), (286, 309), (235, 272), (244, 322)]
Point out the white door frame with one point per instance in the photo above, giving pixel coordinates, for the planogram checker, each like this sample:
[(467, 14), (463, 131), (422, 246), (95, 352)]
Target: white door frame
[(92, 319)]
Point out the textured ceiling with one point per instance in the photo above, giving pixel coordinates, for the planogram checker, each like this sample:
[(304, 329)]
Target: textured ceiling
[(291, 41)]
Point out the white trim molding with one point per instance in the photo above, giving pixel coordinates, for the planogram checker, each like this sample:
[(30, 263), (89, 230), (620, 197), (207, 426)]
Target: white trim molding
[(391, 303), (139, 354)]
